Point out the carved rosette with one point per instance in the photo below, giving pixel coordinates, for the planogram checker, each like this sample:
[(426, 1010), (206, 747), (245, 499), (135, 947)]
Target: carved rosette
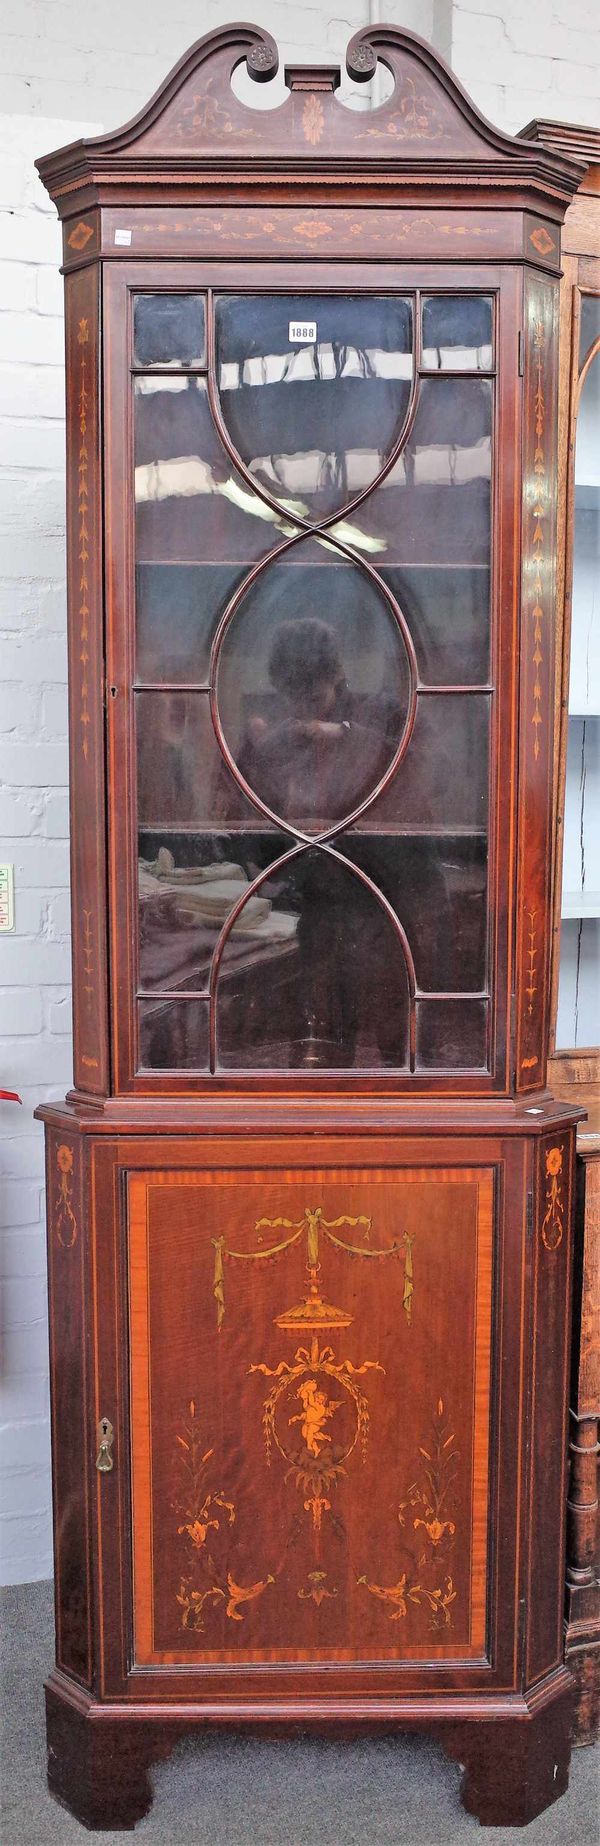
[(262, 60), (361, 60)]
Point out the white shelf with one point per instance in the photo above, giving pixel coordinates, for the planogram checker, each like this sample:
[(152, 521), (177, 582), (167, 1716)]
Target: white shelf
[(576, 904)]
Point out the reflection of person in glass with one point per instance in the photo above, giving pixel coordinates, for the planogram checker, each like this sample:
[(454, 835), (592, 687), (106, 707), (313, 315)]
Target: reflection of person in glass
[(313, 750), (317, 749)]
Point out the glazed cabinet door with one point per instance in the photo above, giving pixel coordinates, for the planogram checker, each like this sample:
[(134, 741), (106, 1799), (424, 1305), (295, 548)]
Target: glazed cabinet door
[(307, 581), (317, 1418)]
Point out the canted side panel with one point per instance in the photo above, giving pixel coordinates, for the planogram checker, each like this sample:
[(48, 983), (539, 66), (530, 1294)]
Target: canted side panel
[(537, 680), (310, 1448), (541, 241), (549, 1395), (81, 238), (86, 678), (70, 1460), (588, 1294)]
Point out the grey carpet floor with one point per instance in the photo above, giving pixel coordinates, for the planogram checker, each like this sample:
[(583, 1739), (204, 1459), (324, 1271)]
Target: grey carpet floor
[(236, 1791)]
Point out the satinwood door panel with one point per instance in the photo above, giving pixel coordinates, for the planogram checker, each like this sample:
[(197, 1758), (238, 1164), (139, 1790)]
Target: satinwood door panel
[(310, 1357)]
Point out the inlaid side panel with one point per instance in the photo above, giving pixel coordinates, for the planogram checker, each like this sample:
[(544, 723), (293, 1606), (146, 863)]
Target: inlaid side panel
[(588, 1292), (86, 675), (81, 238), (66, 1275), (552, 1234), (537, 679), (310, 1459)]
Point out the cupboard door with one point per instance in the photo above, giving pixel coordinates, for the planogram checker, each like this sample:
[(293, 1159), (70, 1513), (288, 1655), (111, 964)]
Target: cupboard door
[(313, 694), (310, 1356)]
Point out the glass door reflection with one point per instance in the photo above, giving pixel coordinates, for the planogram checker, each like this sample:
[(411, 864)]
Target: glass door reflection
[(312, 682)]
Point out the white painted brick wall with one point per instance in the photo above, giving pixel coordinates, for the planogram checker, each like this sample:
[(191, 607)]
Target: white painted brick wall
[(516, 61), (35, 1049)]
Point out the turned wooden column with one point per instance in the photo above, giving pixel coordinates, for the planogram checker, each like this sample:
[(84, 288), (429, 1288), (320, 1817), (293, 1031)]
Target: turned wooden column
[(583, 1525)]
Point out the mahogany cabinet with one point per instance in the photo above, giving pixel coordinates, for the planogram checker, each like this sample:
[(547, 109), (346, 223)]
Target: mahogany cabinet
[(310, 1199), (575, 974)]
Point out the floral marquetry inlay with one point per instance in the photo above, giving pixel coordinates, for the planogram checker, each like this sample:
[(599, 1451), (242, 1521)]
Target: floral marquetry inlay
[(553, 1220), (302, 1395), (206, 113), (313, 1312), (313, 120), (417, 118), (80, 235), (541, 240), (531, 955), (205, 1514), (317, 1590), (88, 956), (65, 1221), (86, 676), (303, 1478), (426, 1516)]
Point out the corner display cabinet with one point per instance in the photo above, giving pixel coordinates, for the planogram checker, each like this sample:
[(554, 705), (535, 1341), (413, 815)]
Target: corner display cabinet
[(310, 1200), (574, 1063)]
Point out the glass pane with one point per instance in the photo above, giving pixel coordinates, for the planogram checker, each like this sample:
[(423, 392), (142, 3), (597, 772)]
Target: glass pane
[(198, 528), (337, 994), (182, 777), (313, 686), (200, 844), (457, 333), (169, 329), (443, 779), (437, 885), (314, 391), (434, 506), (173, 1034), (189, 884), (451, 1034), (584, 696), (448, 613), (178, 609), (578, 1020), (190, 504), (589, 324)]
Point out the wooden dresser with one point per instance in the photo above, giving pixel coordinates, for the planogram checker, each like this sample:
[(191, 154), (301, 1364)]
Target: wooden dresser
[(310, 1201), (574, 1066)]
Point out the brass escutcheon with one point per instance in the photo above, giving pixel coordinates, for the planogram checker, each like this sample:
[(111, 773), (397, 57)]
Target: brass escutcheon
[(105, 1436)]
